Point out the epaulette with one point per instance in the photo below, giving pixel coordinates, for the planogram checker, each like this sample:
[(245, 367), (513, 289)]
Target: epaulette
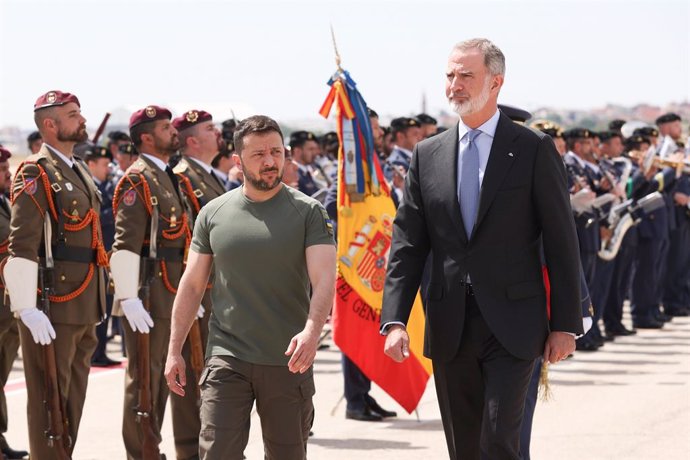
[(181, 167), (136, 168), (33, 158)]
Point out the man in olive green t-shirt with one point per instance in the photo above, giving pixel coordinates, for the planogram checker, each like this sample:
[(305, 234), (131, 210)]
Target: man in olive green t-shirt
[(270, 246)]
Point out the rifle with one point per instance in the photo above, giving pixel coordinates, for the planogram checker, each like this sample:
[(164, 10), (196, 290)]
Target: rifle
[(194, 336), (144, 410), (57, 431), (101, 128), (197, 355)]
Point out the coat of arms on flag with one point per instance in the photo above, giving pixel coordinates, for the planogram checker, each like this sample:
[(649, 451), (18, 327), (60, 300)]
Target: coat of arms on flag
[(365, 227)]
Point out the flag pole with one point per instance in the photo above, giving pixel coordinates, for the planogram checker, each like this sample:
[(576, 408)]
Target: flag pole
[(335, 48)]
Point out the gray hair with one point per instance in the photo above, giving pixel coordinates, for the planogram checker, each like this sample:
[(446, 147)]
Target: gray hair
[(494, 60)]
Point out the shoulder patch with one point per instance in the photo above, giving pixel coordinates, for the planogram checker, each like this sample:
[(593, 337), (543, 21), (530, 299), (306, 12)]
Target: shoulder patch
[(327, 220), (30, 186), (130, 197)]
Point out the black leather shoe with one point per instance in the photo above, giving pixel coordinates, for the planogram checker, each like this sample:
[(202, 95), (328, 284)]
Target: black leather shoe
[(648, 323), (375, 408), (619, 331), (364, 415), (10, 453), (677, 311), (586, 345), (105, 362)]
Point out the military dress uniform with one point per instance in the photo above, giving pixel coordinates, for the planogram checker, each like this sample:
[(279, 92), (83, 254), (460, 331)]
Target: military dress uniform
[(144, 187), (677, 286), (652, 232), (199, 185), (147, 186), (45, 182), (586, 223)]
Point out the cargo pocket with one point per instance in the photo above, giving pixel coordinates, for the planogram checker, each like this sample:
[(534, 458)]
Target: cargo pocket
[(307, 388)]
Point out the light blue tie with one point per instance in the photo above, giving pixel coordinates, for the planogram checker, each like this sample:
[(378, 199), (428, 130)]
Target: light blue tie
[(469, 182)]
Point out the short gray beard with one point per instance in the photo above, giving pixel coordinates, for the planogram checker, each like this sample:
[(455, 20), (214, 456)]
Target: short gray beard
[(475, 104)]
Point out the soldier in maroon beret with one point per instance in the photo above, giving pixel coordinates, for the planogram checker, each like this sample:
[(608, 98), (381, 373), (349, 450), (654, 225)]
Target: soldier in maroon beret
[(148, 190), (200, 142), (54, 184)]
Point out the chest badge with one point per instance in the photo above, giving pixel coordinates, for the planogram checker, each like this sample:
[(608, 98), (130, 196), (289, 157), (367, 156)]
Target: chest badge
[(69, 186)]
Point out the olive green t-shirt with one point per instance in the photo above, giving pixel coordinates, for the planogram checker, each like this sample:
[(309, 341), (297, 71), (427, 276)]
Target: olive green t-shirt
[(261, 288)]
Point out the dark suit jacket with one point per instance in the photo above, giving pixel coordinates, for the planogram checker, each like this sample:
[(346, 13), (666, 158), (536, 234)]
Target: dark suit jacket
[(523, 198)]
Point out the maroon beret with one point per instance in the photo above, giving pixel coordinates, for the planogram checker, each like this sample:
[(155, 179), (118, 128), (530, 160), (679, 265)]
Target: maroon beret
[(191, 118), (4, 154), (54, 99), (149, 114)]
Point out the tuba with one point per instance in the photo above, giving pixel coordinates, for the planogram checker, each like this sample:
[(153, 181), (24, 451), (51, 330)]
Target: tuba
[(625, 216)]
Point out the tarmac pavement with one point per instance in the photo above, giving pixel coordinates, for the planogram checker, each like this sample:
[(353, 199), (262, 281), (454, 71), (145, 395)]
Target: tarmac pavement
[(630, 400)]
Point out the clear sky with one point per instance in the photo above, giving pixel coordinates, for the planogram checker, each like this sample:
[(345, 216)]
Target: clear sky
[(275, 57)]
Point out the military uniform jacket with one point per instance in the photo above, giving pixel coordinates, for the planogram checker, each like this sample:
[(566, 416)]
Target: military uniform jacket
[(145, 187), (306, 183), (45, 183), (198, 186), (586, 223), (107, 189), (4, 243)]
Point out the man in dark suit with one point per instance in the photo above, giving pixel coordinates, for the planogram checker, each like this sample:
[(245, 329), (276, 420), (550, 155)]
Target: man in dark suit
[(482, 197)]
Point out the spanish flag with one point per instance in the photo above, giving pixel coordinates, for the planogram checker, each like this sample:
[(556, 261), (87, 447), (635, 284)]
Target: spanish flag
[(365, 227)]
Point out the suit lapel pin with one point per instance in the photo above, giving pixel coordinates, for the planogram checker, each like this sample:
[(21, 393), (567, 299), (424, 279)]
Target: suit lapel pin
[(68, 186)]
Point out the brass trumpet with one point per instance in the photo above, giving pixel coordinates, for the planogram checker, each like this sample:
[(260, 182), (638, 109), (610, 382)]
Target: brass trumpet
[(681, 166)]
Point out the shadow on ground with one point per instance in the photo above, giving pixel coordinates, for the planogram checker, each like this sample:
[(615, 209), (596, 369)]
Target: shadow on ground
[(362, 444)]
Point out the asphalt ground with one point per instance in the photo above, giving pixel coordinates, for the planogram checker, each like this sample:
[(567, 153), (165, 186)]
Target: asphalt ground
[(629, 400)]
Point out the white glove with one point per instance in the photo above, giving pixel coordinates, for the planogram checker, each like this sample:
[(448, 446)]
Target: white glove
[(582, 200), (39, 325), (200, 312), (139, 319)]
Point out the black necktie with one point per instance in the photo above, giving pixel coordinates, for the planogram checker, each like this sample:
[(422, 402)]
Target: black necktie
[(76, 170), (173, 179), (218, 180)]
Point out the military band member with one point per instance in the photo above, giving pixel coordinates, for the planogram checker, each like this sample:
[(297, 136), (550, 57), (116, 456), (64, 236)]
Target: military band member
[(34, 141), (98, 160), (56, 185), (676, 297), (406, 133), (118, 143), (579, 144), (428, 124), (199, 143), (304, 148), (149, 188), (9, 333)]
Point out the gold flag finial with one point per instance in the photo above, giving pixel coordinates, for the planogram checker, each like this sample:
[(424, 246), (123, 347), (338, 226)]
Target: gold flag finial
[(335, 47)]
